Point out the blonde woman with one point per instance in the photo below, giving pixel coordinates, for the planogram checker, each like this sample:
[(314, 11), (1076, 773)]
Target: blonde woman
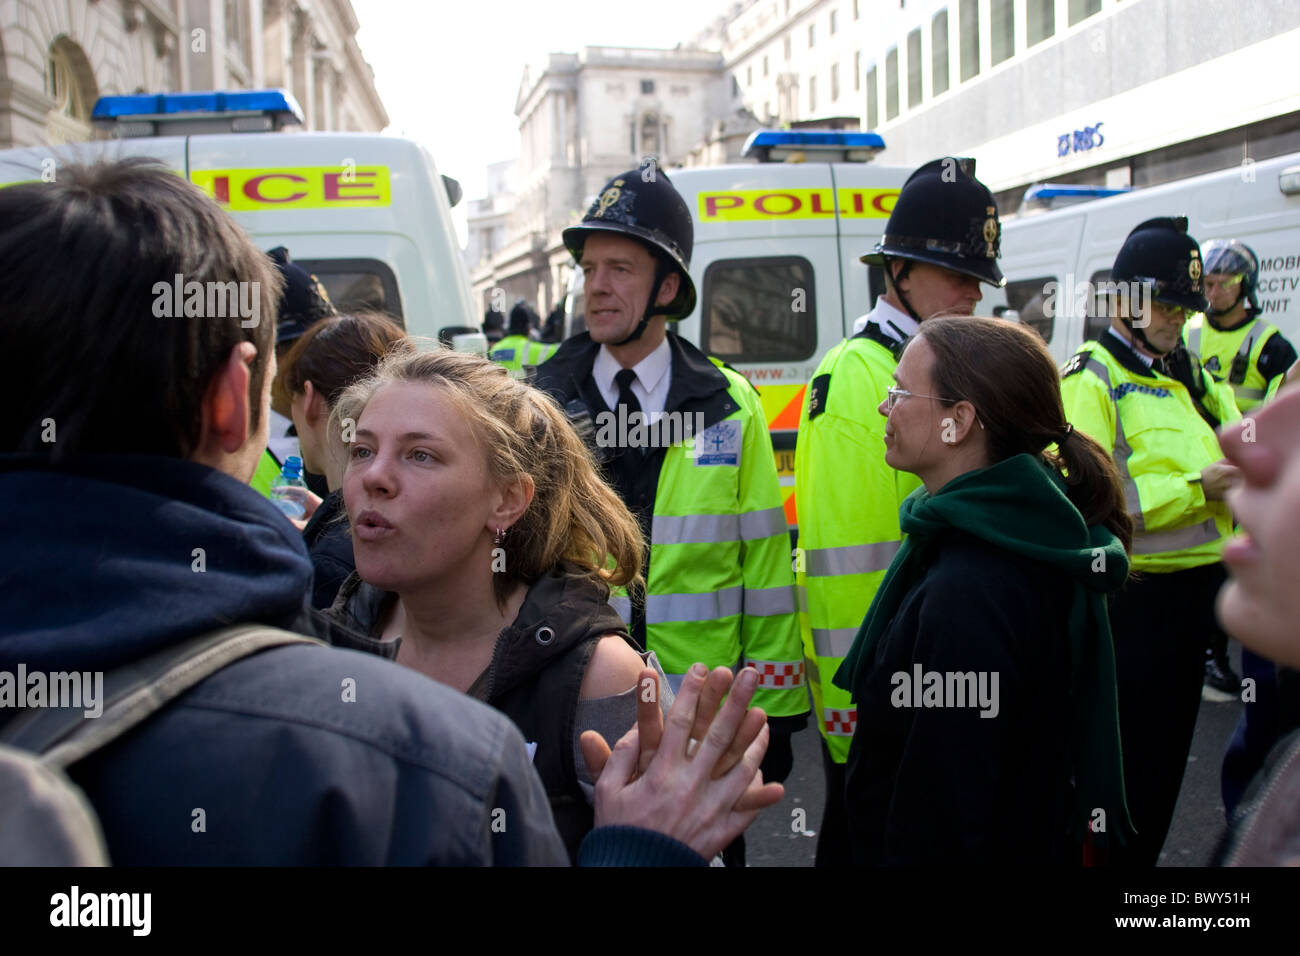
[(485, 544)]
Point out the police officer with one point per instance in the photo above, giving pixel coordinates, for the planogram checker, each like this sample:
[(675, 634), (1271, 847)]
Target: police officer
[(719, 585), (1144, 397), (519, 351), (940, 243), (1232, 341)]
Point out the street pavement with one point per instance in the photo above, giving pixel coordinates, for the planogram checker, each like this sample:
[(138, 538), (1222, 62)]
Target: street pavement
[(786, 834)]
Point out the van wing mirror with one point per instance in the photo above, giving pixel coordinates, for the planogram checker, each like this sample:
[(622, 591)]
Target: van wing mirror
[(454, 192)]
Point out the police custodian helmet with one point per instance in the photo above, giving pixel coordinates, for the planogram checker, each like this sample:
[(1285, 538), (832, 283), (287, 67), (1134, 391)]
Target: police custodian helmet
[(1161, 253), (946, 217), (643, 204)]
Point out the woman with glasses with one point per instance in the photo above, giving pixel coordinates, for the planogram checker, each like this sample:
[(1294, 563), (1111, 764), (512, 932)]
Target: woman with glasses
[(983, 675)]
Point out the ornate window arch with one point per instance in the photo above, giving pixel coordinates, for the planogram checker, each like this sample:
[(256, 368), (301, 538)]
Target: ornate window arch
[(70, 80)]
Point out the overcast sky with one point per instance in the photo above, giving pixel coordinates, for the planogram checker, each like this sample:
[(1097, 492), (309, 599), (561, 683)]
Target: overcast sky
[(448, 72)]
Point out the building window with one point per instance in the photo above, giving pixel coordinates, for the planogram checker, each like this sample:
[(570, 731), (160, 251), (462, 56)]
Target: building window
[(835, 21), (914, 68), (856, 12), (787, 48), (857, 71), (1082, 9), (812, 94), (787, 7), (765, 66), (873, 109), (1002, 30), (735, 86), (650, 134), (939, 53), (68, 80), (891, 84), (835, 82), (812, 35), (647, 86), (749, 76), (970, 39), (1040, 20)]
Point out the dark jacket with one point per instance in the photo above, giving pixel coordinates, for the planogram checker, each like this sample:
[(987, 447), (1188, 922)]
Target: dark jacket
[(268, 761), (944, 785), (329, 542), (535, 675)]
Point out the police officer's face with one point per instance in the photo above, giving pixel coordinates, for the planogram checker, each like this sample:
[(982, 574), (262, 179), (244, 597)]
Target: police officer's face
[(1165, 328), (618, 275), (932, 291), (1222, 289), (1260, 604)]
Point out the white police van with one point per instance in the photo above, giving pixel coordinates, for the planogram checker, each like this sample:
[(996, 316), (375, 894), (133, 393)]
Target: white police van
[(369, 215), (1055, 261)]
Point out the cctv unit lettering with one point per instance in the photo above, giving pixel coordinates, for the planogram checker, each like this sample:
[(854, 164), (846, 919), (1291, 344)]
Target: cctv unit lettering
[(1279, 281)]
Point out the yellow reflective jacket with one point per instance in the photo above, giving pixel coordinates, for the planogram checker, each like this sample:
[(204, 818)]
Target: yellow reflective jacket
[(1160, 443), (1218, 350), (847, 500)]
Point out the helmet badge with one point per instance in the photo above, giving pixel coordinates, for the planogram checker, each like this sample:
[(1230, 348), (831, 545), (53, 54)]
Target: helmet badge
[(990, 232), (1194, 270), (608, 198)]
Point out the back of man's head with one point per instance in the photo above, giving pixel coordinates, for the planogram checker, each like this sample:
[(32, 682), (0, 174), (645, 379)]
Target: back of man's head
[(123, 291)]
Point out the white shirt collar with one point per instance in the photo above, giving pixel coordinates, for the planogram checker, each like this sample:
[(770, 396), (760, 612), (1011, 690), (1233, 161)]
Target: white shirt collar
[(1146, 359), (895, 324), (649, 371)]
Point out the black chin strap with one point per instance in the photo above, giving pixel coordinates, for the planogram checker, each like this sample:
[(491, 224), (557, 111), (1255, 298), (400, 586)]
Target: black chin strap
[(651, 310), (902, 274)]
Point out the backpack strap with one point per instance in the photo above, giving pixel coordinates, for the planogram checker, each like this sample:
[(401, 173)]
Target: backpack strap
[(136, 691)]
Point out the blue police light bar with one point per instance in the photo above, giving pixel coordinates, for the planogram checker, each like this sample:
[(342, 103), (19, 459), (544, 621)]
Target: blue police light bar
[(237, 110), (1047, 193), (773, 145)]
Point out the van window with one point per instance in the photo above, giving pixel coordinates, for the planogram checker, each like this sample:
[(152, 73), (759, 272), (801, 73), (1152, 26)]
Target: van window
[(357, 284), (1098, 314), (759, 310), (1027, 296)]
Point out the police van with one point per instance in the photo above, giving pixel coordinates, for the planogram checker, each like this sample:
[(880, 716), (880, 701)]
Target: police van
[(369, 215), (776, 264), (1057, 261)]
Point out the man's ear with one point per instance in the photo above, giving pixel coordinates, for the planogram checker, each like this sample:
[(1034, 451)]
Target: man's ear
[(668, 288), (515, 499), (226, 411)]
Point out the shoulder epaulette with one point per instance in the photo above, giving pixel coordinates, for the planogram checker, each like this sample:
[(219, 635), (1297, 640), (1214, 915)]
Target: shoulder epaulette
[(1076, 364)]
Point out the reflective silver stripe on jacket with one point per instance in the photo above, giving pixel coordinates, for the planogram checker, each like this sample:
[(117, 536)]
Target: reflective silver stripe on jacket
[(850, 559), (1243, 391), (1180, 540), (717, 529), (709, 606), (765, 602), (833, 641)]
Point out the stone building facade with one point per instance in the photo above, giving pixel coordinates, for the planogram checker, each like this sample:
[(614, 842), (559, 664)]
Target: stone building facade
[(58, 56)]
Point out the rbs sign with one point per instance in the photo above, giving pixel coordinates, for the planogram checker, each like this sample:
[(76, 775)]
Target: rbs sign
[(1080, 141)]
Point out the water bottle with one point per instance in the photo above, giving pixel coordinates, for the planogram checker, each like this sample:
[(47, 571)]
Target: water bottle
[(290, 477)]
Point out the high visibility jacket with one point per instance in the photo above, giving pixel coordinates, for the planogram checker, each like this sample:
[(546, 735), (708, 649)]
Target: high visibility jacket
[(516, 351), (268, 472), (847, 500), (1160, 444), (719, 586), (1220, 350)]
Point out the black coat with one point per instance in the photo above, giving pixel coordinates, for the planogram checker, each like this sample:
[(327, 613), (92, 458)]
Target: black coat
[(329, 542), (930, 785)]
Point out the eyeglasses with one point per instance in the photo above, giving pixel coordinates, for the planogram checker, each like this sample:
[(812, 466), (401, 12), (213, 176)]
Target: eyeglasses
[(894, 394)]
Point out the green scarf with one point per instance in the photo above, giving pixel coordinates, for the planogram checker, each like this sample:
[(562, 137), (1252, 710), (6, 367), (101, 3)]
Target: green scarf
[(1020, 505)]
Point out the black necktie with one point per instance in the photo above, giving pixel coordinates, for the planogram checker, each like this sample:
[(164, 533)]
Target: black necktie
[(624, 380)]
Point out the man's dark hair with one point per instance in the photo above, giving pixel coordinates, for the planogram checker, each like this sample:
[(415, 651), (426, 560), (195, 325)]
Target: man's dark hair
[(101, 353)]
